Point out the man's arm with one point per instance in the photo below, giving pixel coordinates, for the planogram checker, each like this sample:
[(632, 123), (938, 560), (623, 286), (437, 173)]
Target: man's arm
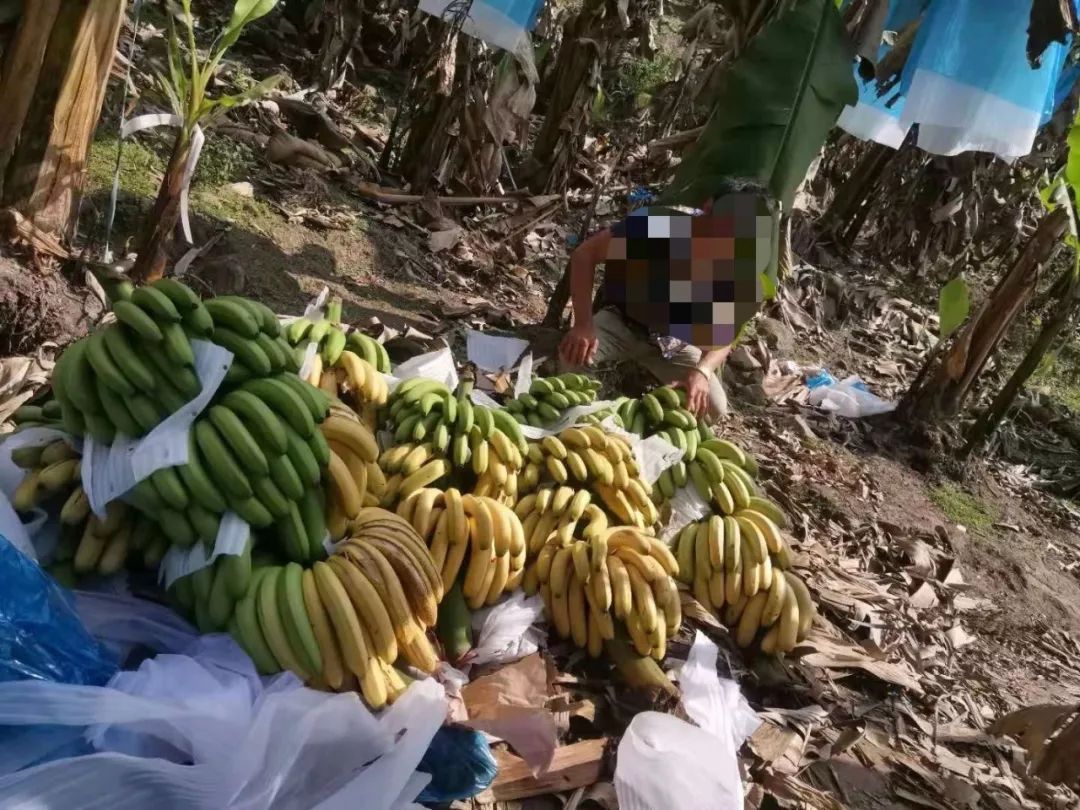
[(711, 361), (580, 344), (697, 379)]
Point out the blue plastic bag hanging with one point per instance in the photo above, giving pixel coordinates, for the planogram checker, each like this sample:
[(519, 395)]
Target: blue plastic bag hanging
[(968, 82), (500, 23), (877, 115), (41, 636)]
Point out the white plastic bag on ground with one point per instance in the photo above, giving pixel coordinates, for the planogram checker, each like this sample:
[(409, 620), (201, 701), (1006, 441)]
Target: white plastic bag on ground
[(251, 745), (665, 762), (849, 398)]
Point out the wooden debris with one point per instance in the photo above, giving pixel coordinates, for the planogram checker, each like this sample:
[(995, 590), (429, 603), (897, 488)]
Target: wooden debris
[(575, 766)]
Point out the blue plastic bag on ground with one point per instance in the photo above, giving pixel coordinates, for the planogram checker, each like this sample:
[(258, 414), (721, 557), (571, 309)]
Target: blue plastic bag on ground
[(460, 763), (41, 635)]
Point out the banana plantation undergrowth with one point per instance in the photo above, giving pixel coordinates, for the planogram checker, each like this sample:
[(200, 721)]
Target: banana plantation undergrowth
[(947, 594)]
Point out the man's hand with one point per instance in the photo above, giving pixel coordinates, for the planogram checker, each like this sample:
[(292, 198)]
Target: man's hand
[(578, 347), (696, 385)]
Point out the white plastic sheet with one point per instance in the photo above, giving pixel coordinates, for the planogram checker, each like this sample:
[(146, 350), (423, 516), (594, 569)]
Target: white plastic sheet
[(493, 352), (687, 506), (122, 621), (664, 762), (523, 380), (232, 537), (152, 120), (436, 365), (849, 398), (13, 529), (506, 632)]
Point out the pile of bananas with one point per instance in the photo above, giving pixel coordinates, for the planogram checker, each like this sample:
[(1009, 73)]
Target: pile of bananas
[(550, 397), (331, 339), (606, 574), (472, 533), (337, 623), (588, 458), (437, 431), (87, 544), (738, 565)]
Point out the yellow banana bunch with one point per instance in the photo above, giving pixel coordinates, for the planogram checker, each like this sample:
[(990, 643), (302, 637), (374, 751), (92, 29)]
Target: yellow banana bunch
[(738, 565), (354, 385), (473, 533), (585, 459), (344, 623), (618, 574)]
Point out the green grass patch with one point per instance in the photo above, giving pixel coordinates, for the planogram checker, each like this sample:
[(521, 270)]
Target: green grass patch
[(141, 168), (142, 165), (963, 508)]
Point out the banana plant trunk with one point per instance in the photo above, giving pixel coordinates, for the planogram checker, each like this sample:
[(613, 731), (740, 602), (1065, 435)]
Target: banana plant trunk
[(948, 377), (51, 90), (587, 38), (157, 234), (443, 91), (984, 428), (341, 45), (847, 213)]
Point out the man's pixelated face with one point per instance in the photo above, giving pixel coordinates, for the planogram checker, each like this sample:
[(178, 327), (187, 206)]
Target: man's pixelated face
[(695, 278)]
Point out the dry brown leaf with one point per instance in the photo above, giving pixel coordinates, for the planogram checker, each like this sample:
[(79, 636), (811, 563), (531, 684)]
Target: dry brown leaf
[(1051, 757), (830, 654)]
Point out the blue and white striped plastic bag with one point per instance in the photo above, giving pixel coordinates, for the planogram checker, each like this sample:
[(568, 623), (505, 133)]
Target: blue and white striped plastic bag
[(968, 82)]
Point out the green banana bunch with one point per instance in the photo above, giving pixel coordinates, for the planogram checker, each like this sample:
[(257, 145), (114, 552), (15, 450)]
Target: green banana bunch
[(550, 397), (332, 338), (125, 377), (46, 413)]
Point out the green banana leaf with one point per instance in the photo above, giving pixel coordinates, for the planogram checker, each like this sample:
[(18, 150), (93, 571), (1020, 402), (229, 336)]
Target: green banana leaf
[(776, 105)]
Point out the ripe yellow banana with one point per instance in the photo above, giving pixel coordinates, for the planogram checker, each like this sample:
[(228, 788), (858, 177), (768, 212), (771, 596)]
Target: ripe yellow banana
[(499, 578), (343, 618), (333, 669), (789, 622), (750, 620), (575, 604), (343, 488), (638, 634), (660, 552), (368, 606), (644, 603), (649, 568), (806, 608), (754, 540), (353, 435), (481, 525)]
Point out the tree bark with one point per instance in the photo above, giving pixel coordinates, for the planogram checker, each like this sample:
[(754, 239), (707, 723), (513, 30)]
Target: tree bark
[(444, 91), (53, 86), (161, 222), (856, 194), (988, 422), (343, 21), (940, 391), (587, 36)]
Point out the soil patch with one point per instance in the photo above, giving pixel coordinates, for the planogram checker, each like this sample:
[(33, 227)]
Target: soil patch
[(36, 308)]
